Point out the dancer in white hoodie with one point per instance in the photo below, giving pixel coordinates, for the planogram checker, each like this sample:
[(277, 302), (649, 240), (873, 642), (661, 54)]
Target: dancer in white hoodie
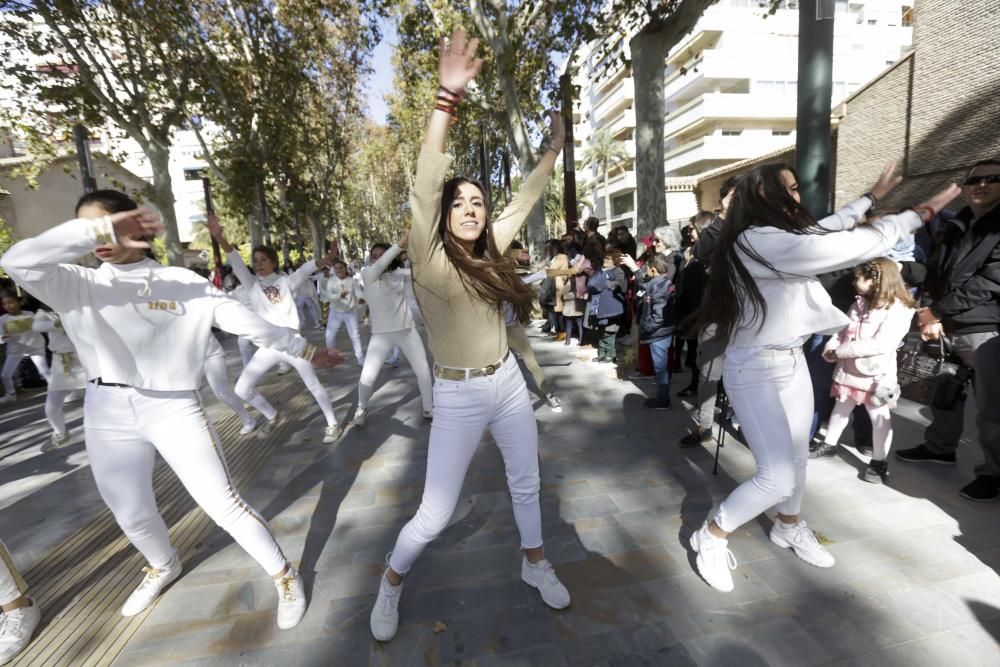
[(392, 326), (65, 376), (272, 296), (342, 292), (22, 341), (142, 333)]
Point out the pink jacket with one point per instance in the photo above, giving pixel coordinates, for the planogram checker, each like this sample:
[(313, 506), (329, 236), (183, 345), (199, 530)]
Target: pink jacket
[(866, 347)]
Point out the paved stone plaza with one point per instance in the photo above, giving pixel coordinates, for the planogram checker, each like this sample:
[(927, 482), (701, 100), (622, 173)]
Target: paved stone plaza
[(916, 581)]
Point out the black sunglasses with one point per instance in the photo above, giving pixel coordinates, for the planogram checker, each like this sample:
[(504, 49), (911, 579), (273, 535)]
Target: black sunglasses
[(976, 180)]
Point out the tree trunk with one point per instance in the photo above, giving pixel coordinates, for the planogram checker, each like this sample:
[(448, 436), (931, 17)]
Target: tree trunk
[(649, 51), (163, 196), (318, 235)]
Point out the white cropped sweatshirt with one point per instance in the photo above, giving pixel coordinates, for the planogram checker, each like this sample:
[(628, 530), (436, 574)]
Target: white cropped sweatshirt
[(385, 293), (272, 296), (142, 324), (797, 304)]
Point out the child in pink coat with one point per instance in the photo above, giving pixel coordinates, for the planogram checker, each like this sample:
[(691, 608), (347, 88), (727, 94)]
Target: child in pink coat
[(865, 354)]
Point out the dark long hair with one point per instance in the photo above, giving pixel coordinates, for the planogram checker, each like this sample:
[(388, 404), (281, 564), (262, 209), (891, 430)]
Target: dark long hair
[(760, 200), (485, 271)]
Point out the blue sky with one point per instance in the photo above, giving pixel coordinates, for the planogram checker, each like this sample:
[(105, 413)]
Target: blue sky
[(381, 79)]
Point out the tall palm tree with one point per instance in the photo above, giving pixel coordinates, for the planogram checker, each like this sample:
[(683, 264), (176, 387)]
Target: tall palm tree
[(605, 152)]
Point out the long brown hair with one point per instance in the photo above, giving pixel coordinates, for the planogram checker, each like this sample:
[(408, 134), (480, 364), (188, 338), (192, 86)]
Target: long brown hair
[(887, 283), (485, 271)]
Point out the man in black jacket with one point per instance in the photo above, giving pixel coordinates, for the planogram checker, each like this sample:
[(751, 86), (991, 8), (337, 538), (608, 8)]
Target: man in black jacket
[(964, 285)]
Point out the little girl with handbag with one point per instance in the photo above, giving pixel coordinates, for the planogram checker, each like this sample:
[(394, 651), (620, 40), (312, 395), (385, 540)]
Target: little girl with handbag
[(865, 354)]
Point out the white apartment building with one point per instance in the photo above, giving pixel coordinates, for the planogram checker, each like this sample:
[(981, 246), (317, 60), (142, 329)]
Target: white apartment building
[(730, 92)]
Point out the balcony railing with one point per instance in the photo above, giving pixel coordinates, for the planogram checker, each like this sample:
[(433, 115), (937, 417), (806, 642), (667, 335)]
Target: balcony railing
[(727, 106), (622, 95)]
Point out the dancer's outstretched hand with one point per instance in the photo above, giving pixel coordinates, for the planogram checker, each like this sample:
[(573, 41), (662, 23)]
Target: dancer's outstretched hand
[(133, 228), (457, 62), (404, 240), (940, 200), (326, 358), (886, 181), (558, 129)]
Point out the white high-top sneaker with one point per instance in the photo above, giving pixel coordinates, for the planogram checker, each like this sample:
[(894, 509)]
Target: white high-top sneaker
[(16, 629), (332, 434), (542, 575), (385, 613), (155, 581), (715, 562), (291, 599)]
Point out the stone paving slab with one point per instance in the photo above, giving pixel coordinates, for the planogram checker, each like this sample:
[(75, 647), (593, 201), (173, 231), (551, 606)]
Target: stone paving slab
[(916, 582)]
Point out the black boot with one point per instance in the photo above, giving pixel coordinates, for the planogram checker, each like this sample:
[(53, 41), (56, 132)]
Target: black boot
[(876, 472)]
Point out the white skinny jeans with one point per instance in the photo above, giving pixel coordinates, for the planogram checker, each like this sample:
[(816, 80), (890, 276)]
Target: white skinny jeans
[(379, 347), (462, 411), (218, 381), (246, 349), (265, 359), (772, 396), (349, 319), (54, 400), (12, 586), (125, 428), (10, 365)]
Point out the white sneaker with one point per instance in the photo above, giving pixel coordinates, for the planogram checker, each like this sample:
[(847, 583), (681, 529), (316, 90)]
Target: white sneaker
[(542, 576), (359, 416), (283, 368), (332, 433), (553, 402), (16, 629), (800, 539), (60, 439), (429, 414), (385, 613), (152, 585), (574, 342), (271, 426), (715, 561), (7, 398), (291, 599), (249, 427)]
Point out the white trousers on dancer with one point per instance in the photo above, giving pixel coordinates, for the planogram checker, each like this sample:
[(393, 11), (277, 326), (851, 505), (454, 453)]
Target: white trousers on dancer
[(246, 350), (218, 381), (12, 586), (10, 365), (771, 393), (308, 310), (125, 428), (349, 319), (462, 411), (265, 359), (379, 347), (54, 400)]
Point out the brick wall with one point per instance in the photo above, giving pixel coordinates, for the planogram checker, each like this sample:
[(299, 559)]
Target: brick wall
[(945, 95)]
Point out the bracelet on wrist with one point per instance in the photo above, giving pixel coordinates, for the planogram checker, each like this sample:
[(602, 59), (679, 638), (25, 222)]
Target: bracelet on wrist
[(872, 197), (452, 93), (931, 213)]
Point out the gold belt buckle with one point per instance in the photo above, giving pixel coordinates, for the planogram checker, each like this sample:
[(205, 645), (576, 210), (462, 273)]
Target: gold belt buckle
[(491, 369)]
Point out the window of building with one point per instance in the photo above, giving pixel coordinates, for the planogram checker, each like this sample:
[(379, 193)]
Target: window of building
[(907, 17), (194, 174), (781, 133), (622, 204), (732, 133), (872, 22)]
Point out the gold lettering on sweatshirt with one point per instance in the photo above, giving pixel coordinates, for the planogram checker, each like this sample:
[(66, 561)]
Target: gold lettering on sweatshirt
[(162, 305)]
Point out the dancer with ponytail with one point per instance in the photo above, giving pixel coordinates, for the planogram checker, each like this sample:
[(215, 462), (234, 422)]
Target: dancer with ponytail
[(272, 296), (765, 302), (462, 280), (123, 318)]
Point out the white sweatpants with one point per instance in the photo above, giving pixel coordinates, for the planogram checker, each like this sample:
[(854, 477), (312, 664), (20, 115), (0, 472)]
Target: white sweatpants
[(12, 586), (462, 411), (246, 349), (771, 393), (10, 365), (125, 428), (349, 319), (218, 381), (379, 347), (265, 359)]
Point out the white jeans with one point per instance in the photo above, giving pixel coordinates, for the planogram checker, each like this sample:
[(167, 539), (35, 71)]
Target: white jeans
[(771, 393), (54, 400), (12, 586), (218, 381), (462, 411), (10, 365), (379, 347), (125, 428), (349, 319), (265, 359), (246, 349)]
